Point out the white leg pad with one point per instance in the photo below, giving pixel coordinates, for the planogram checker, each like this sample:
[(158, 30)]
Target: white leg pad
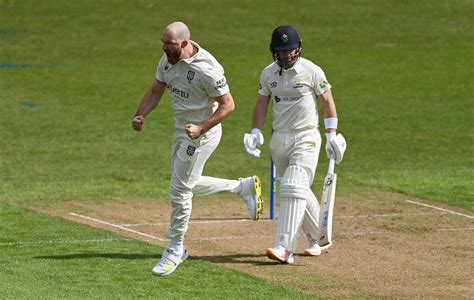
[(311, 218), (294, 190)]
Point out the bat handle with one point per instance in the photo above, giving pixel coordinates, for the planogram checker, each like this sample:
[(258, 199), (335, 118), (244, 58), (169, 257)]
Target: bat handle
[(332, 163)]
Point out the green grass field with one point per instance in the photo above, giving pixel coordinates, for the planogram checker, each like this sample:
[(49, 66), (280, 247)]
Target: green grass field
[(43, 257), (73, 72)]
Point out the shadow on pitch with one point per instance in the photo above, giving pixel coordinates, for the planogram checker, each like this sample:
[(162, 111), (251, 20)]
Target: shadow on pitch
[(250, 259), (229, 219)]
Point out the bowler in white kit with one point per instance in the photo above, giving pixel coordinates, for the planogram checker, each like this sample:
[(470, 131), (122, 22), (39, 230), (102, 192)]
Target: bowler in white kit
[(293, 84), (201, 100)]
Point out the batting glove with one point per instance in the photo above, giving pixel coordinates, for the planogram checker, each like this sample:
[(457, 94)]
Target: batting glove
[(252, 141), (335, 146)]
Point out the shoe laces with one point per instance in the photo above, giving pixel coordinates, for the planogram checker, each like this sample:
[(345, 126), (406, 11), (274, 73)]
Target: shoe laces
[(165, 261)]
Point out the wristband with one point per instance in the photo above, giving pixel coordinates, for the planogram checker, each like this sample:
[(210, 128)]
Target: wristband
[(255, 131), (330, 123)]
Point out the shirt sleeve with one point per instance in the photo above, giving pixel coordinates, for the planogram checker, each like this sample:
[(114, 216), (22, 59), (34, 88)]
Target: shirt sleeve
[(321, 84), (215, 83), (263, 87)]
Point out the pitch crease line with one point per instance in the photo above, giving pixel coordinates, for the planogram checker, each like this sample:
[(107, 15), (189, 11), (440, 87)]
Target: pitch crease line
[(229, 238), (455, 229), (118, 226), (441, 209), (386, 215), (248, 220), (190, 222)]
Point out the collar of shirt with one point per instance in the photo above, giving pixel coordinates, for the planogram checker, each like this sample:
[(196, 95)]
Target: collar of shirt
[(192, 58), (297, 67)]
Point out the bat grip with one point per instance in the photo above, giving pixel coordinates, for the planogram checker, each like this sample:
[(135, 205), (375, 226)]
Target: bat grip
[(332, 163)]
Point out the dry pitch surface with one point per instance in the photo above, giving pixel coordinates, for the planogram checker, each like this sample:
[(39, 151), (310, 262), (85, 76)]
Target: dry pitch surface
[(385, 244)]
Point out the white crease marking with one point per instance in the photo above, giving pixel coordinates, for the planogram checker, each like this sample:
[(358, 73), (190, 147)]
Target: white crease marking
[(118, 226), (441, 209)]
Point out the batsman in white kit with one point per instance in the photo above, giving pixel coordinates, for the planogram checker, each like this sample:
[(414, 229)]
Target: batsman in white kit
[(293, 85), (201, 100)]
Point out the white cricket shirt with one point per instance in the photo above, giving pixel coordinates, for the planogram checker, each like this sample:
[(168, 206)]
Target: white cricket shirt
[(293, 94), (191, 83)]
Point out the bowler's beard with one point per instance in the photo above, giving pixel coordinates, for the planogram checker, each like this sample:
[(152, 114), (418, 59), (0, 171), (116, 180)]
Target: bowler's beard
[(174, 57)]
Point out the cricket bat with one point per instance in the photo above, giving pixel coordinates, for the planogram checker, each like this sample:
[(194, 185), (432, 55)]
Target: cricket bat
[(327, 207)]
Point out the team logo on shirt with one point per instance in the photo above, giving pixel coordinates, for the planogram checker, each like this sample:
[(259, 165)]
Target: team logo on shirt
[(297, 84), (277, 99), (190, 150), (273, 84), (190, 76)]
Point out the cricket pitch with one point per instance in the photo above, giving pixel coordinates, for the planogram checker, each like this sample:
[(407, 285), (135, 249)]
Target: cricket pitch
[(384, 244)]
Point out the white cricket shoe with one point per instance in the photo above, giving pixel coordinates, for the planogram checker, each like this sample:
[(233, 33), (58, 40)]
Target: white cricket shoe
[(280, 254), (313, 250), (169, 262), (252, 195)]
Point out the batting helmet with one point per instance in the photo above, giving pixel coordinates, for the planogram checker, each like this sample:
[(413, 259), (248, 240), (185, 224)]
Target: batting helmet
[(284, 38)]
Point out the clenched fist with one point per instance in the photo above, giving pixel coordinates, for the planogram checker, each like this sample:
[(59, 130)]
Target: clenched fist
[(137, 122), (193, 131)]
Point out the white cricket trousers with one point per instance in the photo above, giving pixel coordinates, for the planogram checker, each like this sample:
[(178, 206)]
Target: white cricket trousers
[(188, 158), (298, 149)]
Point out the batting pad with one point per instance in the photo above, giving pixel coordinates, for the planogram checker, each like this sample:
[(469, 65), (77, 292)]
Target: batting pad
[(294, 190), (311, 218)]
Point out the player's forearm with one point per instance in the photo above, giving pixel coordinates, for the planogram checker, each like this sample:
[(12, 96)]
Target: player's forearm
[(225, 108), (260, 112), (258, 119), (329, 108), (148, 103), (151, 99)]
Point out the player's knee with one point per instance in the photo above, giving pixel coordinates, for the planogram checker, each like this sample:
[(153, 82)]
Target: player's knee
[(295, 183), (179, 192), (295, 175)]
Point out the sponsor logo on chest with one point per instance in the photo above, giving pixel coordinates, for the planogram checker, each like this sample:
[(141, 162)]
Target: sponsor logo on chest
[(278, 99), (176, 92)]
